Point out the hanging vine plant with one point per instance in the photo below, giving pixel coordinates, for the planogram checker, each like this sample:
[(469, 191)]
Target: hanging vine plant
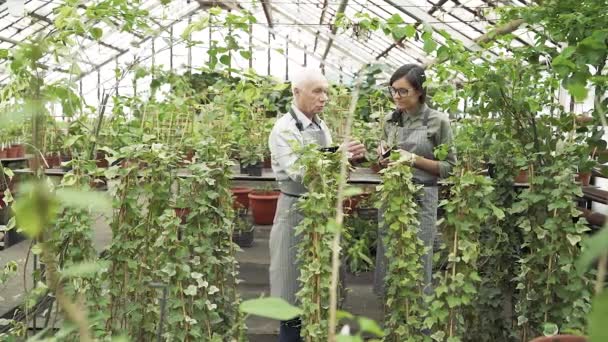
[(468, 209), (321, 171), (404, 250), (551, 296)]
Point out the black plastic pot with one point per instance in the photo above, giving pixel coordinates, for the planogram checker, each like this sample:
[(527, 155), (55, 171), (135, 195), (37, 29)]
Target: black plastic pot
[(255, 170), (370, 214), (244, 238)]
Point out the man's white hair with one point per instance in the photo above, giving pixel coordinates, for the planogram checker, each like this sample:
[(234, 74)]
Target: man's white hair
[(304, 75)]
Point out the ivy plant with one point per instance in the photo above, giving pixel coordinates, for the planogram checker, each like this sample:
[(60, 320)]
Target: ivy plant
[(404, 249)]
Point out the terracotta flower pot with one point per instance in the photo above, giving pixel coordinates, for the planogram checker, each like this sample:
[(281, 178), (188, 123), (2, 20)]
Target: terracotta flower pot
[(376, 167), (560, 338), (522, 177), (267, 163), (11, 152), (20, 151), (584, 178), (350, 204), (2, 153), (100, 159), (182, 213), (241, 199), (263, 206)]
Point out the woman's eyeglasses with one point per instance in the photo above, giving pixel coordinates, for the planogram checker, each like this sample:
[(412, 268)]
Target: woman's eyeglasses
[(401, 91)]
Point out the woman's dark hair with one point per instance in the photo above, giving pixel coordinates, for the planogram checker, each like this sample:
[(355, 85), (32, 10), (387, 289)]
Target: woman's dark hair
[(415, 76)]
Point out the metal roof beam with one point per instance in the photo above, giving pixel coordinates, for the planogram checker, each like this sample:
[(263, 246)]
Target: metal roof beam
[(393, 45), (334, 29), (266, 7), (161, 29)]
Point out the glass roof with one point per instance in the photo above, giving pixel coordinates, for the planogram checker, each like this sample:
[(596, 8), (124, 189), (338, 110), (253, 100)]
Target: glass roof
[(287, 34)]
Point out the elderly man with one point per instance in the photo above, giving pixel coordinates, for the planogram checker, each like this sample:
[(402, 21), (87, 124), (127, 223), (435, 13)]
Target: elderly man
[(303, 125)]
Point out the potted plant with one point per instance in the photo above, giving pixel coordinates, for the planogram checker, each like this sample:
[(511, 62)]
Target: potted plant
[(243, 232), (241, 199), (584, 171), (263, 204)]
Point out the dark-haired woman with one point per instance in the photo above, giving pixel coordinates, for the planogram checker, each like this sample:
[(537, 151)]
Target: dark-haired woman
[(414, 130)]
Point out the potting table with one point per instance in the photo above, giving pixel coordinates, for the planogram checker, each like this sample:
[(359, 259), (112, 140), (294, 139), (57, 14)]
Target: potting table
[(357, 176)]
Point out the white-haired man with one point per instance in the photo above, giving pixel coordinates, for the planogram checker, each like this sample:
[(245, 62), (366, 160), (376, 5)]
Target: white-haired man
[(302, 124)]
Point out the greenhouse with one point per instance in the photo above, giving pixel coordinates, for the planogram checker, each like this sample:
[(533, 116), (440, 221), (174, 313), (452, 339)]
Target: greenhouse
[(331, 170)]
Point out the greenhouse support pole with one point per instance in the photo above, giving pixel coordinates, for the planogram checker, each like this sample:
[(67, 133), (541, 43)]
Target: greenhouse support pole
[(171, 48), (190, 46), (268, 70), (334, 29), (250, 46), (287, 58)]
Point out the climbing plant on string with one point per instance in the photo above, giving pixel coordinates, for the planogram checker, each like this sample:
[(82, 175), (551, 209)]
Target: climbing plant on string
[(551, 297), (200, 269), (468, 210), (314, 233), (404, 249)]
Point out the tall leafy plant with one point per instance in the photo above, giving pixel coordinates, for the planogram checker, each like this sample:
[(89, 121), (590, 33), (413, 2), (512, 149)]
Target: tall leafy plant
[(404, 276), (314, 233)]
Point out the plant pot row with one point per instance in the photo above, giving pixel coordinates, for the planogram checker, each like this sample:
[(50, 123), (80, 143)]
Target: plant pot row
[(263, 204), (12, 151), (583, 177)]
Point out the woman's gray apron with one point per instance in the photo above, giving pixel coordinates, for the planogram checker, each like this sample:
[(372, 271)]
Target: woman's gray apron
[(417, 141), (284, 271)]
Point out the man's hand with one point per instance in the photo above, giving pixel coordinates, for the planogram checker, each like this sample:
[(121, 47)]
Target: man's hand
[(355, 150)]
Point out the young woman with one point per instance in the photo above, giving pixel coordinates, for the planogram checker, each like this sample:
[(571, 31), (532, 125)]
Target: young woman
[(414, 130)]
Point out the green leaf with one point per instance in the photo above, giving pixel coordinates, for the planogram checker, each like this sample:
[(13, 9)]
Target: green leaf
[(8, 172), (550, 329), (270, 307), (71, 140), (3, 53), (598, 329), (370, 326), (96, 33), (84, 269), (35, 209), (578, 90), (573, 239), (225, 59), (429, 43), (410, 31), (594, 246), (93, 200), (352, 191), (191, 290), (340, 314), (347, 338), (245, 54)]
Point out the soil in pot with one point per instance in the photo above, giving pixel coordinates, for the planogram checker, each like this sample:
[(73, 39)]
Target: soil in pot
[(263, 205), (241, 199)]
